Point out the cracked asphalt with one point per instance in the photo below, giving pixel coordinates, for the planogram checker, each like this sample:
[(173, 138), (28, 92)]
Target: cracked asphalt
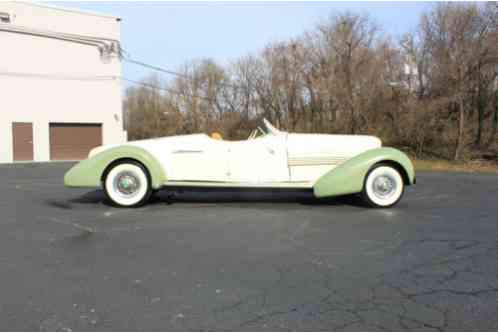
[(253, 260)]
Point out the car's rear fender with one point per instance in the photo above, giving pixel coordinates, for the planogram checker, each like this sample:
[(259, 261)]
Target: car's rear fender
[(349, 177), (89, 172)]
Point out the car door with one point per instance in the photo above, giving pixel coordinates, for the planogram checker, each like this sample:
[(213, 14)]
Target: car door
[(200, 160), (260, 160)]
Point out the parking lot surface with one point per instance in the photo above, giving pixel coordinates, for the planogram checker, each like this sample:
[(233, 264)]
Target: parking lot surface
[(225, 260)]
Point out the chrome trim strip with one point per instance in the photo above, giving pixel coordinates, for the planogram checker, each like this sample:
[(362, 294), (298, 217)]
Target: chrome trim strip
[(181, 151), (322, 160)]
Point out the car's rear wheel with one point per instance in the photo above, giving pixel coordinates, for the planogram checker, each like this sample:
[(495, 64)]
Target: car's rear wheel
[(383, 186), (127, 184)]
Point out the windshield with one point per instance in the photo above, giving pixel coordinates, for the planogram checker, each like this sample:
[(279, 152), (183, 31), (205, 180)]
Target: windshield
[(265, 129)]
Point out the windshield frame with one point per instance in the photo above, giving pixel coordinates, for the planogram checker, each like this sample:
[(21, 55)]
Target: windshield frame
[(269, 128)]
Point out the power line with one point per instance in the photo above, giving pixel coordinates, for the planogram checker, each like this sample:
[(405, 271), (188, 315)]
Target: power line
[(127, 58), (169, 90), (101, 78), (158, 69), (60, 76)]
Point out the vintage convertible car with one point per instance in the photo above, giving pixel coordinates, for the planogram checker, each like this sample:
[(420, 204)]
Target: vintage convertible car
[(328, 165)]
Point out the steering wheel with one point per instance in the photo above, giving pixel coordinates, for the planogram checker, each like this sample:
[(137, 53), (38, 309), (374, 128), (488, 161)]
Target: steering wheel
[(252, 135), (255, 133)]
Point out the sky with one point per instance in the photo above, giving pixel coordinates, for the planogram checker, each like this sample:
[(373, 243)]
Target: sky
[(168, 34)]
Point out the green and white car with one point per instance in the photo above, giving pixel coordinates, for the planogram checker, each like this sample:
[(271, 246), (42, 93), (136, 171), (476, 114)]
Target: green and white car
[(327, 165)]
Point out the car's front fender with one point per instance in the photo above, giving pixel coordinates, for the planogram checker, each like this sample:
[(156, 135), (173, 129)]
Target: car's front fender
[(89, 172), (348, 177)]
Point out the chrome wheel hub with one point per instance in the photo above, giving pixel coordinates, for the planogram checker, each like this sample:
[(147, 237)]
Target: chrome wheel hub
[(126, 183), (384, 186)]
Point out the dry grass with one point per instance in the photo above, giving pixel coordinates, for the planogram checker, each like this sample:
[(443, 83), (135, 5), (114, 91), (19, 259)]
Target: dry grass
[(442, 165)]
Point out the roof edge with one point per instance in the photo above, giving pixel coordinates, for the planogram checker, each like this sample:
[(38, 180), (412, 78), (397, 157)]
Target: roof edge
[(66, 9)]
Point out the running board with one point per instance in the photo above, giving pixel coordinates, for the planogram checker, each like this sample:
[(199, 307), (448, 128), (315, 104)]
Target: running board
[(279, 185)]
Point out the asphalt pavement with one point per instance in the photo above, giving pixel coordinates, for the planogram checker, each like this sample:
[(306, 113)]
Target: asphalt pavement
[(257, 260)]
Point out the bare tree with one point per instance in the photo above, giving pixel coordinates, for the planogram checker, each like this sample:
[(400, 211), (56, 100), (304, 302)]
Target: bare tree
[(434, 92)]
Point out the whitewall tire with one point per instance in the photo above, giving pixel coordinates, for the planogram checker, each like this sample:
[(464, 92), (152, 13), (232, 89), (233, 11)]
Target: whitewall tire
[(383, 186), (127, 184)]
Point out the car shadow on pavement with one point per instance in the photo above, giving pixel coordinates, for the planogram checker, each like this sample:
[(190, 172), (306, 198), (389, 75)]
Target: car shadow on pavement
[(303, 197)]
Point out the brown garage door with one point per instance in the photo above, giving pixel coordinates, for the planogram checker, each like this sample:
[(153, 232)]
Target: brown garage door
[(73, 141), (22, 141)]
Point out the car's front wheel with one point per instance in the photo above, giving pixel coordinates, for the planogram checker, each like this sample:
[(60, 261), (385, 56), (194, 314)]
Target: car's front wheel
[(127, 184), (383, 186)]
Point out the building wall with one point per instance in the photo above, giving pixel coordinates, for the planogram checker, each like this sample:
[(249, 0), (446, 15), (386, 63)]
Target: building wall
[(51, 18), (47, 80)]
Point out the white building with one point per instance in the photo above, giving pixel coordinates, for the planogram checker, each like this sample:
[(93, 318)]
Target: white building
[(60, 90)]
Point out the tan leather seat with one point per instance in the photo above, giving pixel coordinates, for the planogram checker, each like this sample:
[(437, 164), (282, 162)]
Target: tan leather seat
[(216, 136)]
